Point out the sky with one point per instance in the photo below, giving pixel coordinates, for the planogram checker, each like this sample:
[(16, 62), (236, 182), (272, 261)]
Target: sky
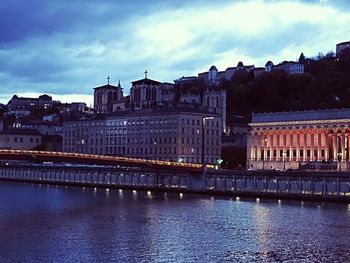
[(66, 48)]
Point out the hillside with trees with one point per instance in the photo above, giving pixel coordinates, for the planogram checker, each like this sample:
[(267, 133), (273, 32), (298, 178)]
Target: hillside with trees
[(325, 84)]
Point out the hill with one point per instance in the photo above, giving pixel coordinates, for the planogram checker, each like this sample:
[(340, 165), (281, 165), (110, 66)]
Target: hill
[(325, 84)]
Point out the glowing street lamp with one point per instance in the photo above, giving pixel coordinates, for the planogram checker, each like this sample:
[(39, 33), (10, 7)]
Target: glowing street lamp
[(155, 154), (264, 141), (284, 160), (340, 157)]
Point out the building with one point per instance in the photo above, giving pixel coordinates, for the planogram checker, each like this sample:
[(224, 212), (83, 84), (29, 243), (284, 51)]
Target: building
[(22, 139), (269, 66), (166, 134), (291, 140), (147, 93), (186, 80), (205, 92), (229, 72), (17, 103), (108, 98), (342, 47), (84, 136), (290, 67), (259, 71), (214, 100), (51, 143), (77, 106)]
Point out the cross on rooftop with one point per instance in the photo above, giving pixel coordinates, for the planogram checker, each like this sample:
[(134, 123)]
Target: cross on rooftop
[(108, 78), (146, 73)]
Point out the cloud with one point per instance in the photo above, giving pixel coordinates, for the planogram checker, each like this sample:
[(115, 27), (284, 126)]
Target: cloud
[(68, 47)]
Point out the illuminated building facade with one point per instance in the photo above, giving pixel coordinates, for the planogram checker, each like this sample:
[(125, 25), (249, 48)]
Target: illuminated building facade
[(166, 134), (292, 140)]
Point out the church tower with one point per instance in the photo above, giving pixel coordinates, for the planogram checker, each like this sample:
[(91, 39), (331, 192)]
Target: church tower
[(108, 98), (214, 97)]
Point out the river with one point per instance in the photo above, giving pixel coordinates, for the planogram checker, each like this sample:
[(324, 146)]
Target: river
[(41, 223)]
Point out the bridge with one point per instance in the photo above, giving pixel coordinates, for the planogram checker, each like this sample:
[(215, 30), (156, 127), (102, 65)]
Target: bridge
[(132, 173), (78, 158)]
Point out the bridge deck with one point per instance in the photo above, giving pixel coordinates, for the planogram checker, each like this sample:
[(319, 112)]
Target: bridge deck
[(50, 156)]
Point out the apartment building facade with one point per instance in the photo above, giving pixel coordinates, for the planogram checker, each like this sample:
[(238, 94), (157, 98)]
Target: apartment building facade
[(167, 134)]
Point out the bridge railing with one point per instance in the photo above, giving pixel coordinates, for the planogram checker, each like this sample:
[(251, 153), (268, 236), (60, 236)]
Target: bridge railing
[(32, 154)]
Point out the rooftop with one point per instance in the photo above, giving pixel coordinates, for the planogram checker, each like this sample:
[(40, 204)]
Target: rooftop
[(107, 86), (145, 81), (20, 132), (343, 43), (329, 114)]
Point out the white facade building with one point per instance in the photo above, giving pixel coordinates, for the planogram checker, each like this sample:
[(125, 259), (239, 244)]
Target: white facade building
[(290, 67), (291, 140)]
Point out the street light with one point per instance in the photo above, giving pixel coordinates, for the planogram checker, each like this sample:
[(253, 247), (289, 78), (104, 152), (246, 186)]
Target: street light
[(155, 153), (284, 160), (203, 122), (340, 155), (264, 141)]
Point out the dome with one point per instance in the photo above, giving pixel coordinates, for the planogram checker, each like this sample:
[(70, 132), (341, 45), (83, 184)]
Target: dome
[(269, 63), (45, 97), (240, 64), (213, 68)]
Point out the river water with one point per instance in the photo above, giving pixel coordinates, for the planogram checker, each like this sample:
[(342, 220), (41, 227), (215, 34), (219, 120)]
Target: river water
[(68, 224)]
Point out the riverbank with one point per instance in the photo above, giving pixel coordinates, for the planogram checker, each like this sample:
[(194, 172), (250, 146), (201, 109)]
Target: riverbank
[(310, 187)]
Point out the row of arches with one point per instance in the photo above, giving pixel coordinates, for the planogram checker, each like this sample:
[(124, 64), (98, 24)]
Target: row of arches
[(310, 144)]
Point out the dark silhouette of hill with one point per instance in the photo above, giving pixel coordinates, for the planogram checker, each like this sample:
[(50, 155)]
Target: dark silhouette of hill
[(325, 84)]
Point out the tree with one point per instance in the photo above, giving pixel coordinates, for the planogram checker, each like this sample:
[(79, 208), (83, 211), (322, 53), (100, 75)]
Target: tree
[(301, 58)]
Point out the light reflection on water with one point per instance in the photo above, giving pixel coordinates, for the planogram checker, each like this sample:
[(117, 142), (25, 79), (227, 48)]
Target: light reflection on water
[(86, 225)]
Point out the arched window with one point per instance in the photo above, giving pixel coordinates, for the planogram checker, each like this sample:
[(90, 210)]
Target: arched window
[(148, 93), (154, 94), (109, 97)]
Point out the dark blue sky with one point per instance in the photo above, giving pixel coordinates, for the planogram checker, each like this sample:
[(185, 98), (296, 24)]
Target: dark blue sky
[(64, 48)]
